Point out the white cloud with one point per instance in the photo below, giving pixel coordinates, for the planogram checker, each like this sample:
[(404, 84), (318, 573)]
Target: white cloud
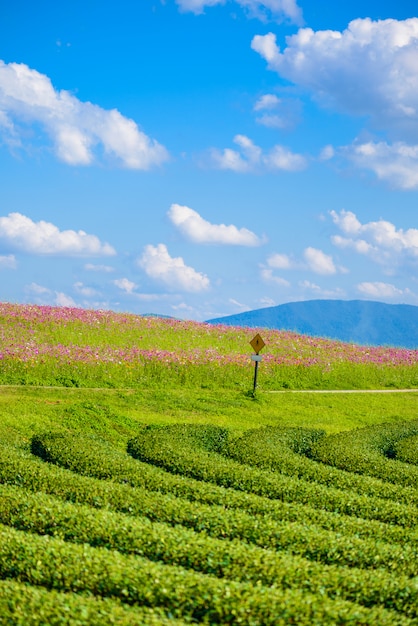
[(395, 163), (367, 69), (381, 290), (280, 261), (280, 158), (263, 9), (76, 128), (199, 230), (272, 121), (173, 272), (347, 222), (319, 291), (380, 240), (267, 301), (281, 113), (21, 233), (327, 153), (251, 158), (268, 101), (239, 305), (319, 262), (359, 245), (92, 267), (8, 262), (125, 284), (314, 260), (268, 276), (61, 299), (197, 6), (87, 292), (37, 289), (44, 295)]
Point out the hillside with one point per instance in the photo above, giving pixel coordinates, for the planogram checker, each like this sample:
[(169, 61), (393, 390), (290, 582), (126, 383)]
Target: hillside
[(357, 321)]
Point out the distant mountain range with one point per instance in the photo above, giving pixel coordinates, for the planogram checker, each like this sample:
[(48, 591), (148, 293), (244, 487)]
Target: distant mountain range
[(356, 321)]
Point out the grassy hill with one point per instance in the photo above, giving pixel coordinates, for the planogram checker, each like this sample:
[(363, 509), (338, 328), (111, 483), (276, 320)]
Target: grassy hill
[(357, 321)]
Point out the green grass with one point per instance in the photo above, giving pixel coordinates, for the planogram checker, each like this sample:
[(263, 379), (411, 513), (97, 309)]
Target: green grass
[(114, 415)]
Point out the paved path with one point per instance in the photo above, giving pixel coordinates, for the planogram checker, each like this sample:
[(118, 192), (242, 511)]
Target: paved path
[(345, 391)]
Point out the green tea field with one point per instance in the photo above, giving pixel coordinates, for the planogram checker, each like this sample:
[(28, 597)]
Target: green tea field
[(143, 481)]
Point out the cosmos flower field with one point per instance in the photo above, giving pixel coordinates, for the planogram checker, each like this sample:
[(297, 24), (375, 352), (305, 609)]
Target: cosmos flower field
[(42, 345)]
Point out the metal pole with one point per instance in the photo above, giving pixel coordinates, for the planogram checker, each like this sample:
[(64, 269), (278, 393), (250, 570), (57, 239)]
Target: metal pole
[(255, 375)]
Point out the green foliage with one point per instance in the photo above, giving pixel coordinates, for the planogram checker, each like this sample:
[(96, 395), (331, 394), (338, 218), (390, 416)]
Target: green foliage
[(25, 605), (255, 520), (407, 450), (163, 447), (56, 564), (370, 451), (289, 451), (232, 560)]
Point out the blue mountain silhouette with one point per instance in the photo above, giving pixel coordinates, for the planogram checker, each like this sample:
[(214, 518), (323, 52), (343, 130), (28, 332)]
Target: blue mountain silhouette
[(361, 322)]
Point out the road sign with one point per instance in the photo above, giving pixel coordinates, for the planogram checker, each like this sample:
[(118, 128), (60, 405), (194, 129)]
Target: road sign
[(257, 343)]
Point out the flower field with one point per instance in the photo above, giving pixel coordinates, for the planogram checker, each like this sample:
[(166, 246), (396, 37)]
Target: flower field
[(141, 484), (78, 347)]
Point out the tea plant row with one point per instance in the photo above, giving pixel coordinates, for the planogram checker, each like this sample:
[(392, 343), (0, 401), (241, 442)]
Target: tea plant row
[(193, 523)]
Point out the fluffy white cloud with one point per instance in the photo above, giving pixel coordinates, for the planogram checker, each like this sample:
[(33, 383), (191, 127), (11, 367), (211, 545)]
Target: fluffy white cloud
[(21, 233), (319, 262), (381, 290), (125, 285), (8, 262), (46, 296), (76, 128), (61, 299), (280, 261), (263, 9), (395, 163), (314, 260), (367, 69), (347, 221), (173, 272), (199, 230), (251, 158), (380, 240)]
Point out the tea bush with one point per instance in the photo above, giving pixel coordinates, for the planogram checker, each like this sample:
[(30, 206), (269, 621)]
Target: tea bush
[(225, 559), (227, 513), (161, 447), (406, 450), (370, 451), (56, 564)]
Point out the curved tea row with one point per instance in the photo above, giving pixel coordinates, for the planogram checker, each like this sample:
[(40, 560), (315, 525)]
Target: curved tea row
[(192, 523)]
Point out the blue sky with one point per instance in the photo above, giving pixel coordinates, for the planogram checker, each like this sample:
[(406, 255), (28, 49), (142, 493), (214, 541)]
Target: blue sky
[(200, 158)]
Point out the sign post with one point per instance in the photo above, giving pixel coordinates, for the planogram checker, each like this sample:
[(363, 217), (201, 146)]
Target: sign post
[(258, 344)]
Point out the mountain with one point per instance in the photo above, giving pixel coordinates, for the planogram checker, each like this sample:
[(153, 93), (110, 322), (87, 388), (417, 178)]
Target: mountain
[(356, 321)]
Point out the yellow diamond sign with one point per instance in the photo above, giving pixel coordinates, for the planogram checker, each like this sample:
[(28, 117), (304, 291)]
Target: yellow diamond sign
[(257, 343)]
